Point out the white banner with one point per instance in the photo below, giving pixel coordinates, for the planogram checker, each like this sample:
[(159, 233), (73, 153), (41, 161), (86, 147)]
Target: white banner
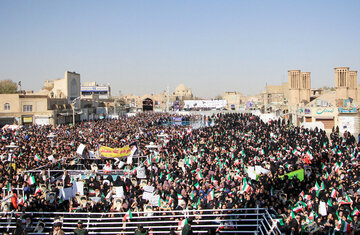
[(80, 149)]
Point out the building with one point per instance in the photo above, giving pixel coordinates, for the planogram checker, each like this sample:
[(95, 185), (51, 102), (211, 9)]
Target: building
[(276, 93), (346, 84), (161, 101), (51, 105), (182, 93), (91, 89), (67, 87), (323, 109), (299, 87), (33, 108), (233, 100)]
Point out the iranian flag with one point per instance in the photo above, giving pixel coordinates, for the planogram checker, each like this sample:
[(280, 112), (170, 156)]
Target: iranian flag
[(128, 215), (311, 216), (323, 167), (329, 203), (322, 186), (280, 221), (348, 199), (343, 226), (333, 193), (246, 187), (199, 176), (22, 200), (307, 197), (294, 152), (213, 180), (211, 196), (170, 201), (197, 186), (308, 154), (327, 176), (292, 215), (355, 212), (302, 194), (298, 208), (37, 190), (182, 223), (37, 157), (337, 167), (179, 196), (31, 180), (316, 187)]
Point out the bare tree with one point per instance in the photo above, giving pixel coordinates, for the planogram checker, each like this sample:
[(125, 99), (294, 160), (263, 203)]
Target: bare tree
[(8, 87)]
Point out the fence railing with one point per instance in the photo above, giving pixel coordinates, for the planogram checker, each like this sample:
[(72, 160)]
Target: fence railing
[(235, 221)]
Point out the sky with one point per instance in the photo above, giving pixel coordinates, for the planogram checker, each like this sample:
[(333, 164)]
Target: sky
[(141, 47)]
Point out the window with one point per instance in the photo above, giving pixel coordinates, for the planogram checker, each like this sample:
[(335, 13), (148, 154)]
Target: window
[(6, 106), (27, 108)]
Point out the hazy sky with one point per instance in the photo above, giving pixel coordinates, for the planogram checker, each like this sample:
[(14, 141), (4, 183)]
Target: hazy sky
[(211, 46)]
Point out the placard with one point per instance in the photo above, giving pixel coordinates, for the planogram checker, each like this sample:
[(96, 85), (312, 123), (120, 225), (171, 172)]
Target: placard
[(95, 199), (66, 193), (80, 149), (119, 192), (149, 189), (78, 187), (251, 172), (140, 172), (147, 195), (154, 200), (181, 163), (322, 209)]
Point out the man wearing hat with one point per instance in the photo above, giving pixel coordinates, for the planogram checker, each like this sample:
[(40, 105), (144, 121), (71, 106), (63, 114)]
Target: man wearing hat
[(80, 230), (57, 229)]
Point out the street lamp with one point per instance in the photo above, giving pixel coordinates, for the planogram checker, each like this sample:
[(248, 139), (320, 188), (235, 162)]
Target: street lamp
[(11, 148), (73, 103), (115, 101)]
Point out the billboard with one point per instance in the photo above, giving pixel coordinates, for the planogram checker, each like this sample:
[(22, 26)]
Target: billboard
[(208, 104)]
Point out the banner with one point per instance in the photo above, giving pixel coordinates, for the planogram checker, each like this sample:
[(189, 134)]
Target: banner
[(80, 149), (108, 152), (298, 173)]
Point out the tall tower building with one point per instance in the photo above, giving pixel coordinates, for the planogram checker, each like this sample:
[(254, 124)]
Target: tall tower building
[(345, 83), (299, 87)]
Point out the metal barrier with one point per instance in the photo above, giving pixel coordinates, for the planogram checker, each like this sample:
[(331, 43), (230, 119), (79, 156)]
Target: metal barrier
[(234, 221)]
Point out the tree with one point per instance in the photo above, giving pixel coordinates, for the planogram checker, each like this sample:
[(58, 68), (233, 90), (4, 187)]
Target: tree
[(8, 87), (218, 97)]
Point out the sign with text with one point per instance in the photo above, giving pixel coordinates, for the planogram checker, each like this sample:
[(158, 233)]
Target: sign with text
[(108, 152)]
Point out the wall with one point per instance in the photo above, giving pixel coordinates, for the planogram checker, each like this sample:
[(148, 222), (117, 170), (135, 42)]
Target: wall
[(73, 85), (12, 99)]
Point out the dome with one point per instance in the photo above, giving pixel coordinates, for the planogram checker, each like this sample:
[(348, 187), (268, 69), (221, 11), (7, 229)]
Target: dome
[(181, 87)]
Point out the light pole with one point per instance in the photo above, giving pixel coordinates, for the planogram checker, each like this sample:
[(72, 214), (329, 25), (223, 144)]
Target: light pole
[(73, 103), (115, 101), (11, 148)]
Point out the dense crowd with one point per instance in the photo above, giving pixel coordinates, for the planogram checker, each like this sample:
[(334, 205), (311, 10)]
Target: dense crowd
[(204, 168)]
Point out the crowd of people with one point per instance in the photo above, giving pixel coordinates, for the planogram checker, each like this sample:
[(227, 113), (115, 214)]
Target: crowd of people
[(203, 168)]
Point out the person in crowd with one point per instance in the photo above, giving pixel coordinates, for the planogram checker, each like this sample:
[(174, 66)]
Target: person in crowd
[(80, 230), (242, 160)]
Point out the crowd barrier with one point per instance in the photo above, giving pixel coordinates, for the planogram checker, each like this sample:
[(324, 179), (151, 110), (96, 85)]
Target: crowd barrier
[(231, 221)]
